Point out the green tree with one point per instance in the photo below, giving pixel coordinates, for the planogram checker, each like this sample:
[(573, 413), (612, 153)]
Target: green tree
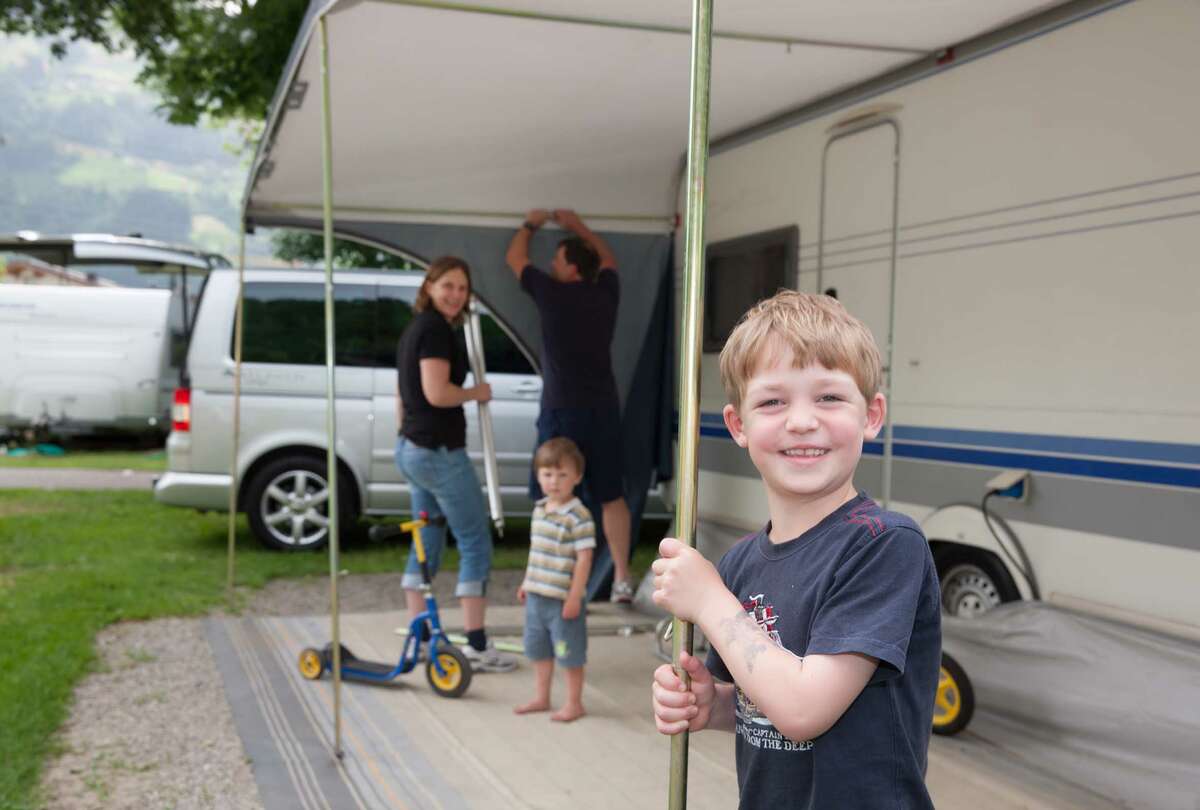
[(203, 58), (309, 248)]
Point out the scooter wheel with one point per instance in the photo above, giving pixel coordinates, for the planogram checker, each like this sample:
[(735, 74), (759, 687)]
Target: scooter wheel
[(456, 672), (312, 664), (954, 702)]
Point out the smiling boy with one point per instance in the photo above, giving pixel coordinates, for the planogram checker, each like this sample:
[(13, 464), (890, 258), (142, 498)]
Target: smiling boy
[(824, 626)]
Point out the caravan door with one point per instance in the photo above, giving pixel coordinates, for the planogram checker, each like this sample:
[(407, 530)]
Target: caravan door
[(856, 251)]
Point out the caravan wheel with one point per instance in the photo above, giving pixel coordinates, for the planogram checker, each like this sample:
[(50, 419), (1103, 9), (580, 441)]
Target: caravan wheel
[(973, 582)]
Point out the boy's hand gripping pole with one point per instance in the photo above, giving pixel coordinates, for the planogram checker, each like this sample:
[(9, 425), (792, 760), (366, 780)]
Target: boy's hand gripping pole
[(475, 354), (689, 356)]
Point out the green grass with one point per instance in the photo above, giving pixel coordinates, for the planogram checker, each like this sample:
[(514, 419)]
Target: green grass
[(150, 460), (72, 563)]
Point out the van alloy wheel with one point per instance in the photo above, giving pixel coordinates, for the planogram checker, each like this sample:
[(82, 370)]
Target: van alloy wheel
[(294, 508)]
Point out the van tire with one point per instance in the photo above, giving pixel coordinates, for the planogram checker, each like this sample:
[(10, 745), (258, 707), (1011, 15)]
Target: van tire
[(973, 580), (287, 503)]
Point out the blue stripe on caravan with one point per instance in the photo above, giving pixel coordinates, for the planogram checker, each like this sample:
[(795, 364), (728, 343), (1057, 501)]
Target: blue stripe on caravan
[(1114, 470), (1071, 445)]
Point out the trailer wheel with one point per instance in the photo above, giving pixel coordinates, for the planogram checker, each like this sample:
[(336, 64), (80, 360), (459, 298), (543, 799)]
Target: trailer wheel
[(973, 581), (287, 503), (954, 703)]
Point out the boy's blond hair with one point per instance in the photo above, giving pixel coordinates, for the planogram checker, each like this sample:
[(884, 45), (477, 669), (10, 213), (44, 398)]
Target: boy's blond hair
[(815, 328), (557, 452)]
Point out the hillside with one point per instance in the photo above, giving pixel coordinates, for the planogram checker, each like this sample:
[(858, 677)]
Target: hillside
[(83, 150)]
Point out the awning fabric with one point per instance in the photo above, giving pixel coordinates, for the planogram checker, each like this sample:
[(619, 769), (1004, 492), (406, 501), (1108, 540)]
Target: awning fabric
[(454, 114)]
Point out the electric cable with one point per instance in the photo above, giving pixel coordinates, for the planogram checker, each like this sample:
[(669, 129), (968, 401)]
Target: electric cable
[(1023, 567)]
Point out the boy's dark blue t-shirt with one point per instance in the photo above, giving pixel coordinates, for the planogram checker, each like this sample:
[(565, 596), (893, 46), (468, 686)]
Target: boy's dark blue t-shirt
[(860, 581), (578, 320)]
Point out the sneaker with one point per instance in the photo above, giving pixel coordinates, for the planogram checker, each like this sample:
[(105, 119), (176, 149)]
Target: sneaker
[(622, 591), (490, 660)]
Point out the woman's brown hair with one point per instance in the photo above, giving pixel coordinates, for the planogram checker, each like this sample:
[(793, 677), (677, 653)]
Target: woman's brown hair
[(438, 268)]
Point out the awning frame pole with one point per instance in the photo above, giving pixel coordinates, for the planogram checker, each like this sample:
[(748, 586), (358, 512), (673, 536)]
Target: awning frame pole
[(237, 408), (330, 389), (452, 212), (690, 344)]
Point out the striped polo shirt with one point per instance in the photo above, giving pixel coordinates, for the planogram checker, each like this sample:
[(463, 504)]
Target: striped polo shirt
[(556, 536)]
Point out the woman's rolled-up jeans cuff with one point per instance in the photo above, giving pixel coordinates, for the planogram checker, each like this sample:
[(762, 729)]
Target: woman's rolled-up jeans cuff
[(477, 587)]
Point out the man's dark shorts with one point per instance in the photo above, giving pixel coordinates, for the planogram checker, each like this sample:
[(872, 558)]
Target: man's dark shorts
[(597, 432)]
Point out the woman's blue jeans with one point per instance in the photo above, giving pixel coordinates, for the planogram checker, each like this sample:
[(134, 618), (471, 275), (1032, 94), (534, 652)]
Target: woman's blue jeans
[(443, 482)]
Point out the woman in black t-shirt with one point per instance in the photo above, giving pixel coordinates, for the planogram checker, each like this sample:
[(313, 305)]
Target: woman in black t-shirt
[(431, 450)]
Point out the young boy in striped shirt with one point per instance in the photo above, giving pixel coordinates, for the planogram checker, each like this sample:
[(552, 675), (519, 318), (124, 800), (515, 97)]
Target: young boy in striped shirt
[(562, 538)]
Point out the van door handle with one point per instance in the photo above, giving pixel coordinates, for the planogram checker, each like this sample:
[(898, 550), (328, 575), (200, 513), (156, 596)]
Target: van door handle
[(528, 388)]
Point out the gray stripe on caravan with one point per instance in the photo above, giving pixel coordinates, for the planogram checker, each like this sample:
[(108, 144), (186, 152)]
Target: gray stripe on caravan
[(1149, 514)]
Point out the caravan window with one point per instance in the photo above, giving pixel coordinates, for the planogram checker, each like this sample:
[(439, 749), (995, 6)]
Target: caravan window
[(741, 272), (285, 323)]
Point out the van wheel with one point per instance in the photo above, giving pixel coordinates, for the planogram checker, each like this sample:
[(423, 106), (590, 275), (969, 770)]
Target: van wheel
[(287, 504), (973, 581)]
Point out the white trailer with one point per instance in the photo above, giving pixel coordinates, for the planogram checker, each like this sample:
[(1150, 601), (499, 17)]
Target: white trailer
[(1037, 301), (82, 358)]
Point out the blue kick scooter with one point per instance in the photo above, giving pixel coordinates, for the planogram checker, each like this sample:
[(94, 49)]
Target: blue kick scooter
[(447, 670)]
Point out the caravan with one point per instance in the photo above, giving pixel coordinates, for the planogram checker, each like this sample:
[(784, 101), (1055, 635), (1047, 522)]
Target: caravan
[(103, 349), (1029, 268)]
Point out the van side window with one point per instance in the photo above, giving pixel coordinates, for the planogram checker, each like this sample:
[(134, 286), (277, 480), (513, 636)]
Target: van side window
[(500, 353), (395, 311), (284, 323)]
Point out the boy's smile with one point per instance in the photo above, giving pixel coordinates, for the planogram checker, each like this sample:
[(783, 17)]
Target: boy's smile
[(804, 429)]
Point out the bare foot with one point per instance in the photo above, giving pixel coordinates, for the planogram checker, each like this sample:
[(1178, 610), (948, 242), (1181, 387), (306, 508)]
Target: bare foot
[(532, 706), (568, 713)]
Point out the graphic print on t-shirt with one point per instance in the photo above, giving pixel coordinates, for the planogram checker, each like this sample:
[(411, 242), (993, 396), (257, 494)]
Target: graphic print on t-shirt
[(752, 725)]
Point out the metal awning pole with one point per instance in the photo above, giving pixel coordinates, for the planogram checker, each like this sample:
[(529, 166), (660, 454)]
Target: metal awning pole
[(237, 405), (330, 389), (689, 354)]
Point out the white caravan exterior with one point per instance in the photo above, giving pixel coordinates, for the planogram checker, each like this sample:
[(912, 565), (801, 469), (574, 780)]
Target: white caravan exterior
[(88, 357), (1047, 304)]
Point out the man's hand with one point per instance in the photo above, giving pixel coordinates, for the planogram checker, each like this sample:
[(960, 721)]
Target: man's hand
[(683, 580), (521, 593), (571, 607), (568, 219), (676, 707), (537, 217)]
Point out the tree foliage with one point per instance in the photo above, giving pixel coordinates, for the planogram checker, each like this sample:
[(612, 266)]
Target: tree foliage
[(309, 248), (203, 58)]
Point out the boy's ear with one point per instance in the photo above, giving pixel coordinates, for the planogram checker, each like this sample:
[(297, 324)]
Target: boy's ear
[(733, 422), (876, 413)]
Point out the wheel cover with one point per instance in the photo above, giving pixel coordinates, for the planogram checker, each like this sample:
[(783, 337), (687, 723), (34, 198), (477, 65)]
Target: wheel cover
[(294, 508), (449, 681), (948, 701), (968, 591), (310, 664)]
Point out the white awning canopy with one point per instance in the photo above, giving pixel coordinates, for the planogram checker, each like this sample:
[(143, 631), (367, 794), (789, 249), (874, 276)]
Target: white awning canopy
[(471, 114)]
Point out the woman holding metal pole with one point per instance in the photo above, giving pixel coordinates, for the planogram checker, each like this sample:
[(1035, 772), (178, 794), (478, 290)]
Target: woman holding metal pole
[(431, 451)]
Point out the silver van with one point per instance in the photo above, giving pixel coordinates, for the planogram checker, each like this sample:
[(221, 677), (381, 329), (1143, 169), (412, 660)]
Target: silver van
[(282, 449)]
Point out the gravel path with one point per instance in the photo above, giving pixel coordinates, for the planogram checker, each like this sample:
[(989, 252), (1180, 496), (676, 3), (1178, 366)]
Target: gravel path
[(152, 728)]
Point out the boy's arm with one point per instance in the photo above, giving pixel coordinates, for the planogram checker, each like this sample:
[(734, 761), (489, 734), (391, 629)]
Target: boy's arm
[(517, 255), (579, 577), (802, 697), (571, 221), (704, 704)]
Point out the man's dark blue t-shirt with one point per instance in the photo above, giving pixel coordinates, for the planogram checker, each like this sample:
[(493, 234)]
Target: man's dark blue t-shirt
[(860, 581), (578, 320)]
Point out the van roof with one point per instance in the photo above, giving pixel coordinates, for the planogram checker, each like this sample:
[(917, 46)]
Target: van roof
[(102, 248), (314, 274)]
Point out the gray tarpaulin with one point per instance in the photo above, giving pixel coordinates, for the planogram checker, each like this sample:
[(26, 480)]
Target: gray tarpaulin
[(1110, 707), (641, 348)]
